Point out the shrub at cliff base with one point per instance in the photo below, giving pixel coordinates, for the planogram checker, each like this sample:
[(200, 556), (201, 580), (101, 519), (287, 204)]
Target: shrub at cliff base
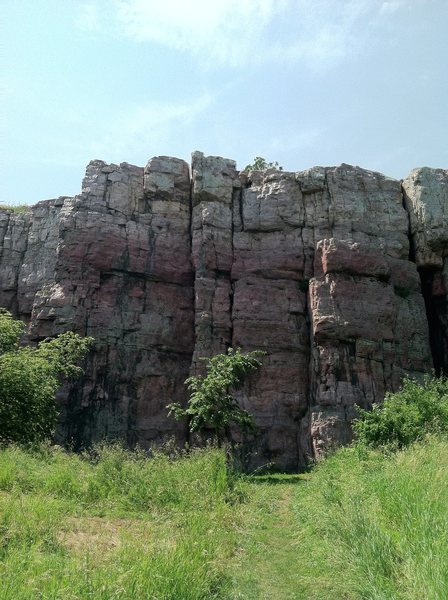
[(405, 416), (29, 379), (212, 404)]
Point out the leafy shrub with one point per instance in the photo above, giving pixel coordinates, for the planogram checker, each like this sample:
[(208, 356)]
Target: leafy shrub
[(261, 164), (211, 402), (29, 379), (405, 416), (10, 331)]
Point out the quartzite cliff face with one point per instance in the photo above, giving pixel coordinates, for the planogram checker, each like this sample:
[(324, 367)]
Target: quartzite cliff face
[(339, 274)]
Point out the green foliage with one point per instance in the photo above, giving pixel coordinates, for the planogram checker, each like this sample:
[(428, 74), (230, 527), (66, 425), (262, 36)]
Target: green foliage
[(119, 481), (17, 208), (405, 416), (29, 379), (261, 164), (373, 525), (10, 331), (115, 524), (211, 403)]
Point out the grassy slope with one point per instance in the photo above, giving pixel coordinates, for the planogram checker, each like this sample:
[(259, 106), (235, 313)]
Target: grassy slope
[(361, 526), (376, 527), (124, 527)]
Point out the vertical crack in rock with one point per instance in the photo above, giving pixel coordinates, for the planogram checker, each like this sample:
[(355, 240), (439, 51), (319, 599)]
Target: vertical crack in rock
[(436, 313), (425, 197), (269, 311), (18, 234), (305, 451), (5, 217), (215, 181), (236, 205), (22, 254)]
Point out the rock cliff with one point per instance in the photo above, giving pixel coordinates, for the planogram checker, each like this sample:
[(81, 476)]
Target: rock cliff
[(339, 274)]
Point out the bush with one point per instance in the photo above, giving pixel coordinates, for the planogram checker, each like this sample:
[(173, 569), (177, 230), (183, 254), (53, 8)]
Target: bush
[(261, 164), (405, 416), (211, 402), (10, 332), (29, 379)]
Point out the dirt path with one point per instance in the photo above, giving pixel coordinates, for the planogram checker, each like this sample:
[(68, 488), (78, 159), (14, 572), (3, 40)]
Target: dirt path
[(266, 567)]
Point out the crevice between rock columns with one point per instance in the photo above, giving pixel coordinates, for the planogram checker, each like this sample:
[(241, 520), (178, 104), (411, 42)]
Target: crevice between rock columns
[(434, 296), (304, 441), (436, 308)]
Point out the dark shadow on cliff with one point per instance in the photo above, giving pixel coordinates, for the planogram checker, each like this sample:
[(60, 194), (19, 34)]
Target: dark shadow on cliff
[(436, 304)]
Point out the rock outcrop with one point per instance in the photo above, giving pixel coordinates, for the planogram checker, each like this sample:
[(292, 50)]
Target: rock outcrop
[(339, 274)]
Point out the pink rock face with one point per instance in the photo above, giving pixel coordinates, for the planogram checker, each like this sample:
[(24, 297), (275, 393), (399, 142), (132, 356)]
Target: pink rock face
[(113, 263), (315, 268)]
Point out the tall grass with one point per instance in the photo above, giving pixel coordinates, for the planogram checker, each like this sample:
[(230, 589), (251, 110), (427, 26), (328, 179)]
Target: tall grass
[(115, 524), (17, 208), (375, 526)]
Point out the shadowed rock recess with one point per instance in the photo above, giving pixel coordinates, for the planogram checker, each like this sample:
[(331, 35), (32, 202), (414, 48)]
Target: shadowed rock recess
[(339, 274)]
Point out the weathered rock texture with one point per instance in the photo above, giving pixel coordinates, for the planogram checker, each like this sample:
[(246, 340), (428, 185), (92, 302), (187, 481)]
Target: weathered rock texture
[(339, 274)]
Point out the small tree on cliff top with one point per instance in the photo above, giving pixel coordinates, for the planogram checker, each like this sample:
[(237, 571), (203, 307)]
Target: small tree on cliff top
[(261, 164), (211, 403), (29, 379)]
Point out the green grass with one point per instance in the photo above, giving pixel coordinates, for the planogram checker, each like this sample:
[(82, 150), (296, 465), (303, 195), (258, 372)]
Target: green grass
[(266, 565), (117, 525), (375, 526), (17, 208)]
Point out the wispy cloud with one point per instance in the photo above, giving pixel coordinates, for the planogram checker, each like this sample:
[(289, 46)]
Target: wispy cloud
[(218, 32), (154, 123), (134, 133), (237, 33), (391, 6)]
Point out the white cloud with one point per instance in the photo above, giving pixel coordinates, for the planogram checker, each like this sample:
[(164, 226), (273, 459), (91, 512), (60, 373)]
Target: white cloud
[(153, 122), (222, 31), (391, 6), (136, 133), (245, 33)]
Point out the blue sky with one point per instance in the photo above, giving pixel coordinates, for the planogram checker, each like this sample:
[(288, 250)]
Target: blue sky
[(301, 82)]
